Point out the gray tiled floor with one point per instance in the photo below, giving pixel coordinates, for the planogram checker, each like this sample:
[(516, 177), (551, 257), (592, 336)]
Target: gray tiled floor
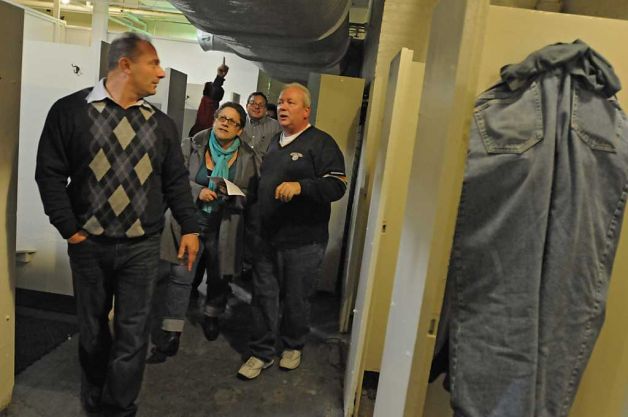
[(200, 380)]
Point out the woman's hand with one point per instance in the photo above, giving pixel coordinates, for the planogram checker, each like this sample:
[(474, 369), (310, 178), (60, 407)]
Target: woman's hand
[(207, 195)]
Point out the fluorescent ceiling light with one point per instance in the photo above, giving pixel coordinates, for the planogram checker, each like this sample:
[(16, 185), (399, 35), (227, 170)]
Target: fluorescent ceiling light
[(65, 1)]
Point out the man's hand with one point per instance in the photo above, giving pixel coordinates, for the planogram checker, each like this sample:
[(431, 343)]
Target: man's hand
[(287, 190), (207, 195), (189, 247), (223, 69), (78, 237)]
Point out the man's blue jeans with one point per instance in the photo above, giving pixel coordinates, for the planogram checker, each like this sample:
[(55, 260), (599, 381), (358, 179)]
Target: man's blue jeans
[(538, 225), (283, 282), (177, 295), (112, 366)]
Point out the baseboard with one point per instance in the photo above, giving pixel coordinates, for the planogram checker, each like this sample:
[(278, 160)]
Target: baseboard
[(60, 303)]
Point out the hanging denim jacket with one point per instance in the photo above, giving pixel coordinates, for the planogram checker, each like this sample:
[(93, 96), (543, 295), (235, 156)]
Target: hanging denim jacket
[(538, 225)]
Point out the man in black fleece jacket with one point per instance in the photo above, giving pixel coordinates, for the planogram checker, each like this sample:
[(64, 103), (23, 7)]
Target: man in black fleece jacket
[(124, 162), (302, 173)]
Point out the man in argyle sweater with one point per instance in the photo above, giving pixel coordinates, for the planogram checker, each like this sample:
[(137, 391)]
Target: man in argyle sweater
[(124, 164)]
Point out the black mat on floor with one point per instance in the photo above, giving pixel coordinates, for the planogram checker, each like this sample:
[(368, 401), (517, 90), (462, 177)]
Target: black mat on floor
[(35, 337)]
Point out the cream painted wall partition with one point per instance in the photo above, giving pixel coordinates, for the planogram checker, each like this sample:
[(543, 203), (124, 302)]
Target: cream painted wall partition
[(432, 202), (393, 24), (511, 34), (11, 35), (336, 104), (362, 198), (393, 176), (390, 182)]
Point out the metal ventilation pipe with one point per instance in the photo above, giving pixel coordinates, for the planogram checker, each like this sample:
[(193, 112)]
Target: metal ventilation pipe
[(282, 37)]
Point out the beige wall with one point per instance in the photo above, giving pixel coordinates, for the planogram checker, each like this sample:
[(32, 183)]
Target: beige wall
[(524, 4), (404, 23), (395, 24), (12, 24), (616, 9)]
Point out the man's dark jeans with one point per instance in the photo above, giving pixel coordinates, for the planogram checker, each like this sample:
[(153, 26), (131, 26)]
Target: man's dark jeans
[(283, 282), (112, 366)]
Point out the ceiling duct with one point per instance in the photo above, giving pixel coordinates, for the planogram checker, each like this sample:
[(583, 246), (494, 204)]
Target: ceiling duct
[(286, 38)]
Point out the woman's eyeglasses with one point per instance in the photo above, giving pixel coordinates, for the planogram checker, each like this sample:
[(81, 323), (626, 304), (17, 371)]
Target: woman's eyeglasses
[(228, 120)]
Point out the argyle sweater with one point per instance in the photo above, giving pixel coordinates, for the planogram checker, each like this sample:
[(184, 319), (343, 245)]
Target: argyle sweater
[(124, 167), (315, 161)]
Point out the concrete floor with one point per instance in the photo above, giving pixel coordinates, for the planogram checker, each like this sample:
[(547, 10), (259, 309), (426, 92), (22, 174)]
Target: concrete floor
[(201, 379)]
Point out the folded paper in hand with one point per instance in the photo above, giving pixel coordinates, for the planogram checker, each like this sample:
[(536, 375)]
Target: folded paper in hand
[(226, 187)]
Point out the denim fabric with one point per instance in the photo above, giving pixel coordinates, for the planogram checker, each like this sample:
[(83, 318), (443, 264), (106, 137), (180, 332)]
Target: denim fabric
[(577, 59), (217, 286), (180, 281), (178, 287), (538, 225), (283, 282), (113, 366)]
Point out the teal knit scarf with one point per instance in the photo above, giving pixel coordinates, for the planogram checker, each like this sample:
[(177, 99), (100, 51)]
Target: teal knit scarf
[(221, 158)]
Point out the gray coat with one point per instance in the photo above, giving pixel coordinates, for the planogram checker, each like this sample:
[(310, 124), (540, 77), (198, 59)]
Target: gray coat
[(234, 212)]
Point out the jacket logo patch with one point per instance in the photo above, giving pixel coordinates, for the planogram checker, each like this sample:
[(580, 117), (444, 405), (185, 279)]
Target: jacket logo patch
[(296, 155)]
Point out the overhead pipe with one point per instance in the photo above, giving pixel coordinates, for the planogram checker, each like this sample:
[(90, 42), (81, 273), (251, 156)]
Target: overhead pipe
[(282, 38), (279, 19)]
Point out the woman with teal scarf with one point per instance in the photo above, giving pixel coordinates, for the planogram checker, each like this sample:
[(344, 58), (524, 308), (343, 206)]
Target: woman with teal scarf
[(212, 156)]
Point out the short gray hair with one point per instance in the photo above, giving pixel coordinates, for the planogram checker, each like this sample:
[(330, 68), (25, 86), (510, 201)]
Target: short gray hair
[(125, 45), (307, 97)]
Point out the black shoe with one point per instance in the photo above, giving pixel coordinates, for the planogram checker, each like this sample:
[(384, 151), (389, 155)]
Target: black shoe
[(211, 328), (170, 343), (168, 346), (90, 399), (156, 356)]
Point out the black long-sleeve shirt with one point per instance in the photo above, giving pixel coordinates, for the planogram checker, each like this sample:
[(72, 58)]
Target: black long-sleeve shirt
[(313, 160), (124, 167)]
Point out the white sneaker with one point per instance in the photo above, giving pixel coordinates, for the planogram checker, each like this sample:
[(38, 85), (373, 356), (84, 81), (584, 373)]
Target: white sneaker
[(290, 359), (253, 367)]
